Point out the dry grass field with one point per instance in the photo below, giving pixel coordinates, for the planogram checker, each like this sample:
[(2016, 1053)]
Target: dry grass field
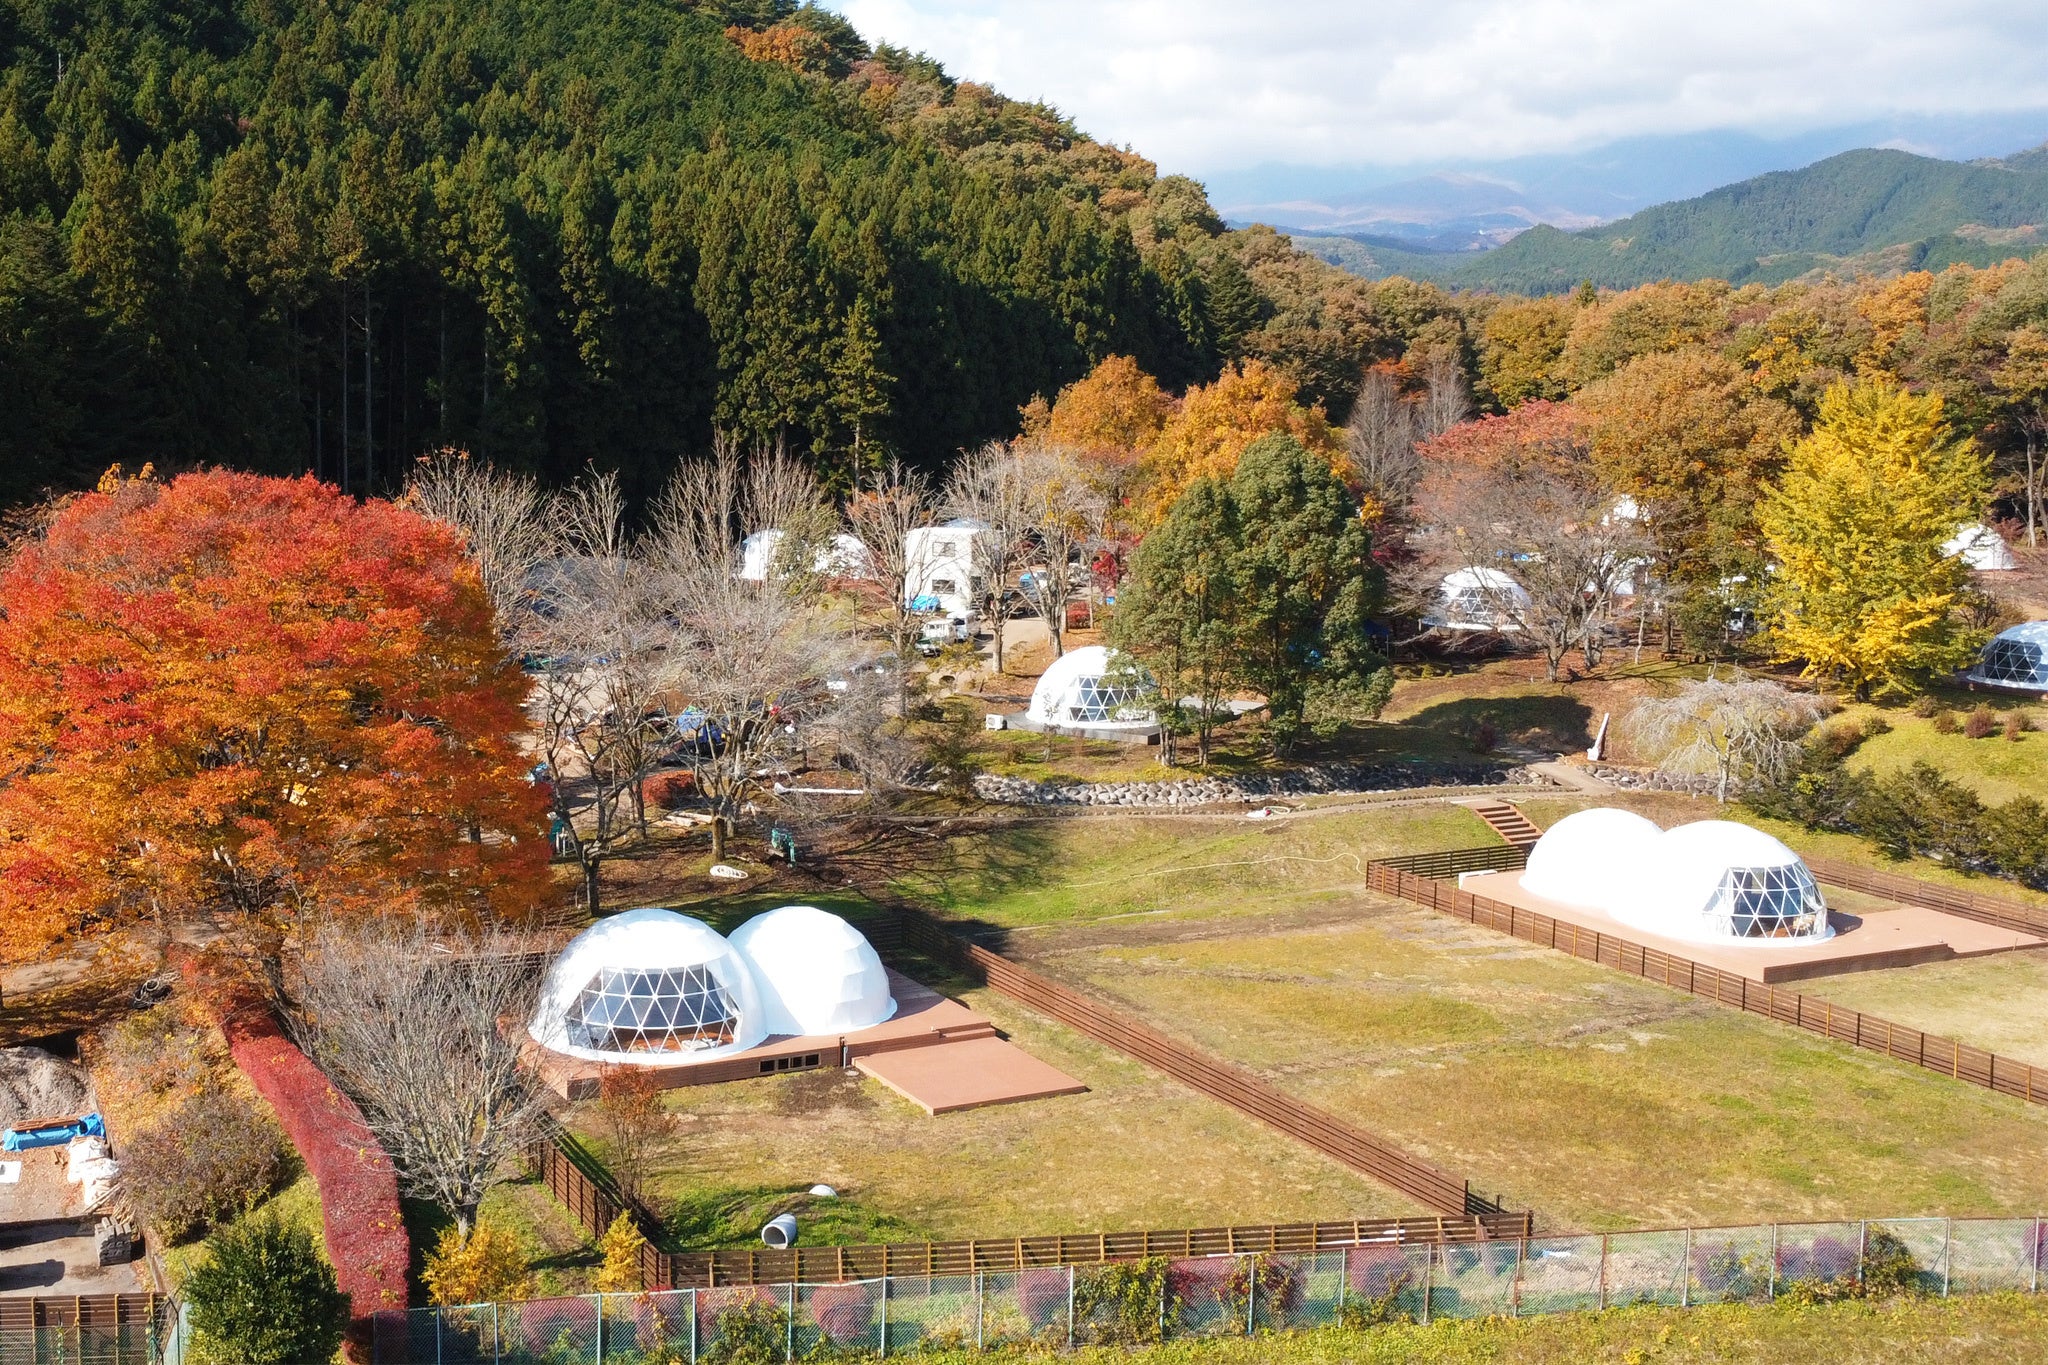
[(1137, 1151)]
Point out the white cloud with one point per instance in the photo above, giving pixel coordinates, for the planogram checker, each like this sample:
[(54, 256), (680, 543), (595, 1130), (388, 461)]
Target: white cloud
[(1215, 85)]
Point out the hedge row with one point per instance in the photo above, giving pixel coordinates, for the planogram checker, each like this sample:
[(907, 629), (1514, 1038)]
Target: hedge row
[(359, 1212)]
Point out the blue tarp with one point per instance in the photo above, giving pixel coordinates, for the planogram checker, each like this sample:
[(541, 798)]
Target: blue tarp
[(53, 1135)]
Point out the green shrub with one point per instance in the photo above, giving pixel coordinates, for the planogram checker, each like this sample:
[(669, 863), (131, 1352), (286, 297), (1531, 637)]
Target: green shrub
[(1926, 705), (264, 1297), (1945, 722), (1123, 1303), (212, 1158)]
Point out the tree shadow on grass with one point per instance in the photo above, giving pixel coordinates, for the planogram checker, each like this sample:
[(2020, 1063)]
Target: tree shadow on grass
[(1540, 721)]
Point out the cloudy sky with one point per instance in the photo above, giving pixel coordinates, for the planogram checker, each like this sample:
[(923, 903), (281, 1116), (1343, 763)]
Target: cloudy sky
[(1212, 87)]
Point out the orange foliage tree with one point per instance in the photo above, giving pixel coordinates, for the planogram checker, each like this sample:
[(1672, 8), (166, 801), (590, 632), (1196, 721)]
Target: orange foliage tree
[(247, 699), (1109, 417), (791, 44), (1215, 424)]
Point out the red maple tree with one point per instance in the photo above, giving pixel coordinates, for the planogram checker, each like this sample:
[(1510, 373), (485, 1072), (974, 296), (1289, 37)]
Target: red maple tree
[(249, 699)]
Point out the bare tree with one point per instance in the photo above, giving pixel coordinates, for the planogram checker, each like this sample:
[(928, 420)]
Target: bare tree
[(1381, 437), (407, 1017), (1542, 550), (752, 659), (885, 512), (1446, 400), (987, 487), (597, 623), (1739, 728), (502, 515), (1062, 511)]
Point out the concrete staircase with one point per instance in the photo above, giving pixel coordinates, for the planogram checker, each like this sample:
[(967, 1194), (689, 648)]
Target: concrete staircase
[(1508, 822)]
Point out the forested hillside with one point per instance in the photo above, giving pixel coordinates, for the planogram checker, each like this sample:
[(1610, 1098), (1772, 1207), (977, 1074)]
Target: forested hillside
[(295, 234), (1871, 210)]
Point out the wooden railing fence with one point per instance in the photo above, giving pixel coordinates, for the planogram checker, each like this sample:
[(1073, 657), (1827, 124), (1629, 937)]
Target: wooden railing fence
[(23, 1312), (1998, 910), (1946, 1055), (1429, 1185), (595, 1203)]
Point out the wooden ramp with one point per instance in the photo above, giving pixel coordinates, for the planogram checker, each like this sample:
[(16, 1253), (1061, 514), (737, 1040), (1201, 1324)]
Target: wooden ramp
[(1508, 822), (966, 1073)]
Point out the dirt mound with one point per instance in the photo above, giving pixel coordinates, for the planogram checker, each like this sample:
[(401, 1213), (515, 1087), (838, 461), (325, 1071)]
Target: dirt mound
[(36, 1085)]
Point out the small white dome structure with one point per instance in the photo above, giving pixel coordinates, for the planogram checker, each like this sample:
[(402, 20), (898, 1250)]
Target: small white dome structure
[(1478, 599), (1711, 881), (846, 557), (816, 972), (1980, 547), (2015, 658), (1085, 687), (652, 988), (1593, 858)]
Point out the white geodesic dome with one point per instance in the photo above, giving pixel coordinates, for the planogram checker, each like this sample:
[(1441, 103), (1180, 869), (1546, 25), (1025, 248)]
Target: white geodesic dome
[(1087, 687), (1593, 858), (1477, 599), (1980, 547), (2016, 657), (652, 988), (1716, 881), (816, 972), (1712, 881)]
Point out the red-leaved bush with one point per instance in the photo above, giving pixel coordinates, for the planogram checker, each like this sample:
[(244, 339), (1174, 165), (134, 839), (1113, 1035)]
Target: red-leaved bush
[(358, 1186)]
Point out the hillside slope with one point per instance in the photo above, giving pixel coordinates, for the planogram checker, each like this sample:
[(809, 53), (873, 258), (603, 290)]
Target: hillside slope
[(1862, 210)]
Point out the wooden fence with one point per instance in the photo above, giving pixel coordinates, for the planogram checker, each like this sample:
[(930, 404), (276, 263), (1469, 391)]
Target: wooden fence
[(23, 1312), (1428, 1185), (2006, 914), (1946, 1055), (594, 1202)]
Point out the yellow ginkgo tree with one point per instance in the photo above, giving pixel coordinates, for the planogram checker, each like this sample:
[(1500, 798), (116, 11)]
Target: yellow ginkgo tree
[(1863, 593)]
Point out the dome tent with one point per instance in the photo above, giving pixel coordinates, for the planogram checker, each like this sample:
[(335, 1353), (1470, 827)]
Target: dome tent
[(845, 557), (1981, 548), (1711, 881), (1086, 687), (649, 987), (817, 974), (1592, 858), (1477, 599), (2016, 658)]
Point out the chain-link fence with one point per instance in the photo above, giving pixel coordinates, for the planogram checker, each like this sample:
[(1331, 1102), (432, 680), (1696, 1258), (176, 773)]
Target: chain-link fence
[(128, 1343), (1160, 1299)]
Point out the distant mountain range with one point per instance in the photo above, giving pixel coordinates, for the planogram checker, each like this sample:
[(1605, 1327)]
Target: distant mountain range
[(1867, 210)]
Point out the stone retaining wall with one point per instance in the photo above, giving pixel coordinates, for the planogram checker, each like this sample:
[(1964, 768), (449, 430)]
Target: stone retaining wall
[(1334, 780), (1644, 780)]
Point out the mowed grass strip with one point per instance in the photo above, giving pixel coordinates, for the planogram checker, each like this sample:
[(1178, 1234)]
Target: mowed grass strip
[(1050, 870), (1993, 1330), (1138, 1151)]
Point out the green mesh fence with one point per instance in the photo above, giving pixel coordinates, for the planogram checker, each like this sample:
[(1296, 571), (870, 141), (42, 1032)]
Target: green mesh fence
[(130, 1343), (1140, 1302)]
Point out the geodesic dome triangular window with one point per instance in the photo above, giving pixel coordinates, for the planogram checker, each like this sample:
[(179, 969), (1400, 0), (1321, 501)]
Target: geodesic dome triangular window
[(1100, 699), (652, 987), (629, 1009), (1769, 902), (2015, 658)]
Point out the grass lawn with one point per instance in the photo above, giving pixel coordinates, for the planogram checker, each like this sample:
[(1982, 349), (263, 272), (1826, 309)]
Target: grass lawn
[(1599, 1100), (1087, 867), (1136, 1151), (1999, 1003), (1997, 768), (2000, 1329)]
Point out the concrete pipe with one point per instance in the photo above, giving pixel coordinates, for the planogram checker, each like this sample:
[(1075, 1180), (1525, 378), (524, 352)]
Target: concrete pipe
[(780, 1231)]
